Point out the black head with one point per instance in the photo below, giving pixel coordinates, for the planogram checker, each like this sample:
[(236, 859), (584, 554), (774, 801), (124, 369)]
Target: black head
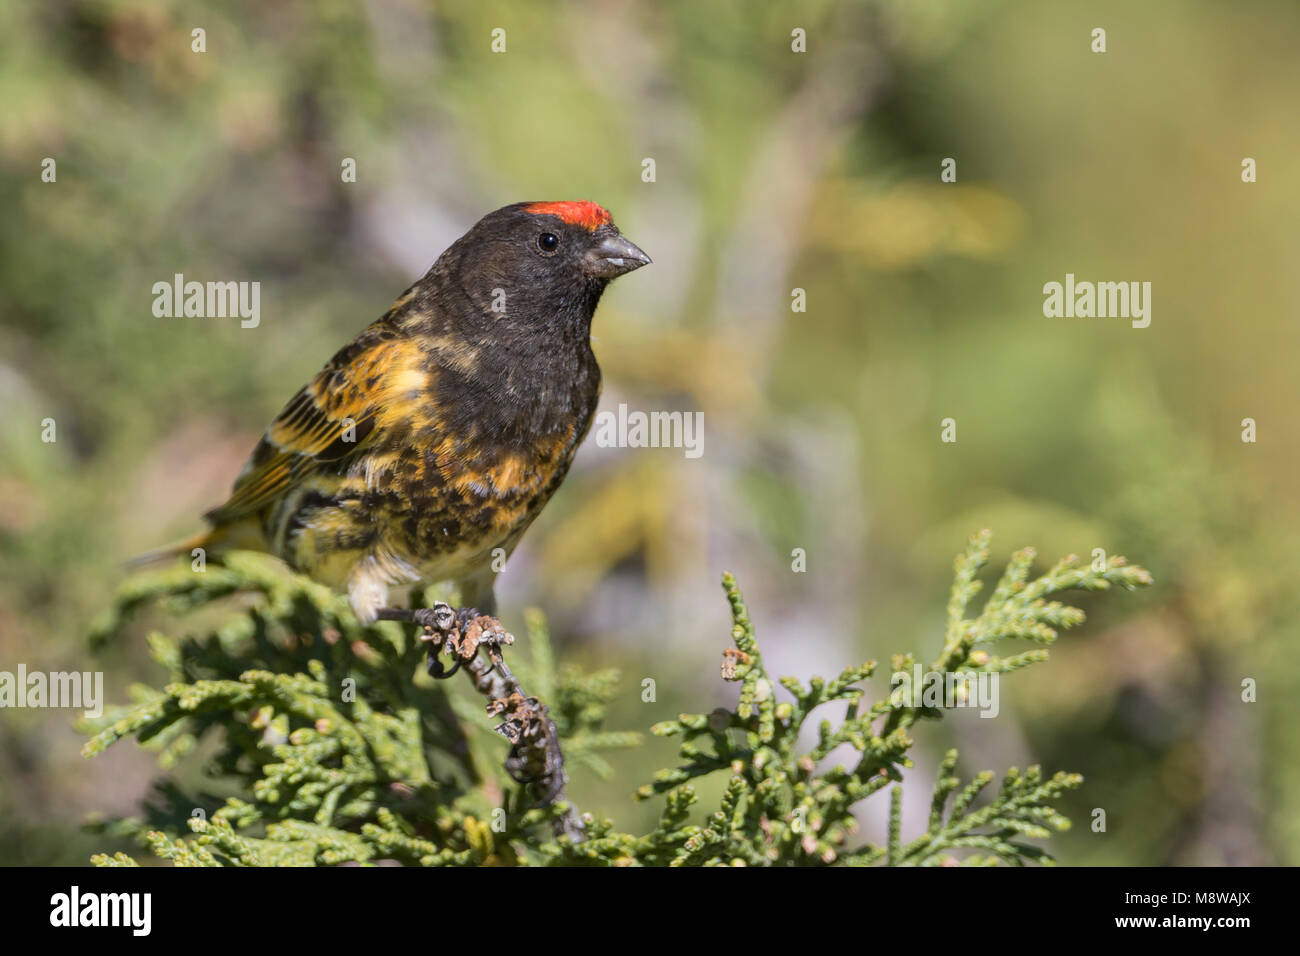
[(538, 266), (579, 236)]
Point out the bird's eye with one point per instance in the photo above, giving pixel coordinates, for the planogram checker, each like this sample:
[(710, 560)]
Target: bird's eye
[(548, 242)]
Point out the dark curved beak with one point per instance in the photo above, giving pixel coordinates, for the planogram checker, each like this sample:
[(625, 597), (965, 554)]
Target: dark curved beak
[(613, 256)]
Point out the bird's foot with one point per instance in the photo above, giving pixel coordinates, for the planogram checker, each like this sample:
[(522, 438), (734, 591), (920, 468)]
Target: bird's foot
[(535, 756), (461, 633), (435, 620), (437, 624)]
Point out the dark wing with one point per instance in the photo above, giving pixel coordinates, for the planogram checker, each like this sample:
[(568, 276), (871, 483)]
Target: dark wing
[(332, 417)]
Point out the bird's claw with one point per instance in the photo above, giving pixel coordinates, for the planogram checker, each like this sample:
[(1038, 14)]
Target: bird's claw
[(461, 633), (436, 621)]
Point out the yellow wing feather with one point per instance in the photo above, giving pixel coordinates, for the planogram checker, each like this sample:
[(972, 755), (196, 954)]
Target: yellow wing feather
[(329, 419)]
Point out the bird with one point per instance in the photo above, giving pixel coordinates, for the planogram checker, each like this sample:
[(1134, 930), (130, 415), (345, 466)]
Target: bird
[(427, 445)]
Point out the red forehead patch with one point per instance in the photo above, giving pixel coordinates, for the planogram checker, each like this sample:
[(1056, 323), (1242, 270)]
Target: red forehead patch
[(582, 212)]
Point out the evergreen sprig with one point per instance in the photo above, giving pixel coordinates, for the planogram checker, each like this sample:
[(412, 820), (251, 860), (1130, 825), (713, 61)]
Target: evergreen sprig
[(780, 808), (1021, 809), (339, 750), (338, 747)]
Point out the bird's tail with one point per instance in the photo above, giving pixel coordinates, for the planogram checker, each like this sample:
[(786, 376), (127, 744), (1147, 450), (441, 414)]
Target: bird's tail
[(246, 534), (204, 539)]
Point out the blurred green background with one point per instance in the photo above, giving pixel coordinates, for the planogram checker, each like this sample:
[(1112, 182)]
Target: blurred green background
[(775, 170)]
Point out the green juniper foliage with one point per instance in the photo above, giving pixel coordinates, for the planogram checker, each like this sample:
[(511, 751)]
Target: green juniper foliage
[(340, 750)]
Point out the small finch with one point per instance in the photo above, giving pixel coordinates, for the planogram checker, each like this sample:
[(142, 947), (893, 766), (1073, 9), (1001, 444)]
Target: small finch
[(437, 435)]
